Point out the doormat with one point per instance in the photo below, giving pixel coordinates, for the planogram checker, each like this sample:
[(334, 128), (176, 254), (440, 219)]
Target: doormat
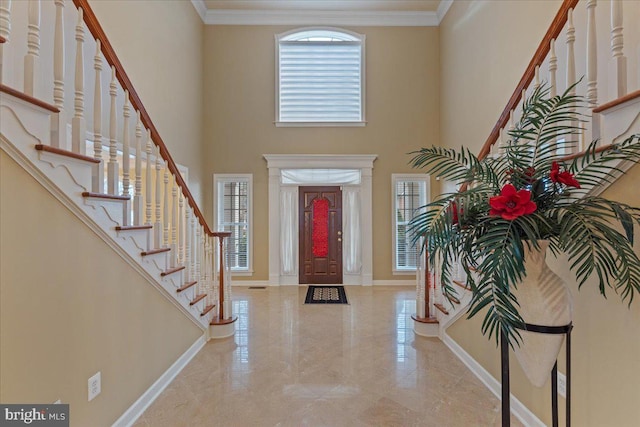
[(326, 295)]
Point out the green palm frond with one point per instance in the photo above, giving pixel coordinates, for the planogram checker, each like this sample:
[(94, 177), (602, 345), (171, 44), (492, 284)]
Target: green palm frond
[(457, 228)]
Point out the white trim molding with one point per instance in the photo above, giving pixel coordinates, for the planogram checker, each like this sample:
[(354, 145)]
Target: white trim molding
[(277, 162), (322, 17), (201, 8), (148, 397), (443, 8)]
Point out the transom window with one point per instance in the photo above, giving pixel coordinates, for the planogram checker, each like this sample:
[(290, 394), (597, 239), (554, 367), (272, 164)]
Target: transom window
[(320, 78)]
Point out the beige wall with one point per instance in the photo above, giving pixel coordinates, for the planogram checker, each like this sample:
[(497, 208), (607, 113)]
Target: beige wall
[(71, 307), (402, 114), (160, 46), (485, 48), (480, 68)]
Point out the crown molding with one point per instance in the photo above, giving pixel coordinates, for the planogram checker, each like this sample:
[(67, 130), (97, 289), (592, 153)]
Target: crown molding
[(201, 8), (310, 17), (443, 8)]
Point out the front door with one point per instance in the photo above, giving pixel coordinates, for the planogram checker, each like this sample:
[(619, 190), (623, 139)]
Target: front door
[(320, 219)]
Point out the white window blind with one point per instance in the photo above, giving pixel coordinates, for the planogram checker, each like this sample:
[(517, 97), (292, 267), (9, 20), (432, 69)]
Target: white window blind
[(320, 77), (410, 194), (233, 198)]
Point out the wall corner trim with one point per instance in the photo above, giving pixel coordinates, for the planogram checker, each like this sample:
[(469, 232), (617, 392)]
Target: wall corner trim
[(443, 8)]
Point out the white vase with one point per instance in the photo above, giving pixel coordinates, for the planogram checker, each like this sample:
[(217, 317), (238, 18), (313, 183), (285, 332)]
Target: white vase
[(544, 300)]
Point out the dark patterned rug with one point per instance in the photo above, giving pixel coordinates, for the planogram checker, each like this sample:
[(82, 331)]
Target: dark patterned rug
[(326, 295)]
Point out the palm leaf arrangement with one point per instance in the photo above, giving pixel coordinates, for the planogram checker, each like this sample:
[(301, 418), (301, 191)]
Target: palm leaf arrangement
[(529, 193)]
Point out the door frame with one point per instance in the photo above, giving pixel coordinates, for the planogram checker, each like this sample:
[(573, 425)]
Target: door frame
[(275, 164)]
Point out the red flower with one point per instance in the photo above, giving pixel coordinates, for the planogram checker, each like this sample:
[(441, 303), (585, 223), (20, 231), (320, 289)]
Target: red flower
[(453, 208), (511, 204), (563, 177)]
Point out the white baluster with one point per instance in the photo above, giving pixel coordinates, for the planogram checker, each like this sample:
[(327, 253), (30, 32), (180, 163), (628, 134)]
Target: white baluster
[(32, 58), (113, 169), (618, 64), (78, 124), (536, 82), (553, 67), (592, 55), (197, 247), (174, 223), (5, 28), (98, 171), (148, 183), (165, 210), (59, 120), (126, 113), (502, 147), (188, 232), (157, 227), (210, 291), (571, 58), (181, 230), (569, 144), (138, 201)]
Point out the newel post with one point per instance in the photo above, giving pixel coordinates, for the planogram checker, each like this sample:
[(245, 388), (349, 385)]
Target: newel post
[(222, 325)]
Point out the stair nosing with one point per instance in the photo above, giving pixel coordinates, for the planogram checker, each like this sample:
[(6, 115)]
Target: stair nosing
[(197, 299), (66, 153), (616, 102), (207, 309), (441, 308), (28, 98), (133, 227), (172, 270), (186, 286), (92, 195), (155, 251)]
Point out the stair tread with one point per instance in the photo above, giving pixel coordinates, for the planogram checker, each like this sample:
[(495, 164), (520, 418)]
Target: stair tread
[(171, 271), (462, 285), (66, 153), (616, 102), (30, 99), (207, 309), (425, 319), (104, 196), (441, 308), (197, 299), (155, 251), (133, 227), (216, 321), (186, 286)]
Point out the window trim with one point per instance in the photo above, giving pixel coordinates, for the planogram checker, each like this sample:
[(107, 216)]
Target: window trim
[(395, 178), (361, 40), (219, 178)]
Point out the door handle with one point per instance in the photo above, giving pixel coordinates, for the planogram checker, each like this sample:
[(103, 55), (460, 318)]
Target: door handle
[(339, 239)]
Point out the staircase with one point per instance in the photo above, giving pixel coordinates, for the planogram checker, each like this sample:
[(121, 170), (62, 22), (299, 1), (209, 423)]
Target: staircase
[(571, 51), (107, 164)]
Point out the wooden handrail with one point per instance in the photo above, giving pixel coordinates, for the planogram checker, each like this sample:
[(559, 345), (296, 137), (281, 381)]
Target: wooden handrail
[(541, 53), (98, 33)]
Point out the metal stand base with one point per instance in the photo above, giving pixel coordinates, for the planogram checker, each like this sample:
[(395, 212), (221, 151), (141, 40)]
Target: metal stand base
[(504, 369)]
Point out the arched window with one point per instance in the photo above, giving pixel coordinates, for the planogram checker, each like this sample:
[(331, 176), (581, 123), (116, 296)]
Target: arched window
[(320, 77)]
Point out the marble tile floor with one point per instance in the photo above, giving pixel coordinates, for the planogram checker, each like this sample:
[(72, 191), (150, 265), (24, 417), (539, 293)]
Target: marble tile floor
[(291, 364)]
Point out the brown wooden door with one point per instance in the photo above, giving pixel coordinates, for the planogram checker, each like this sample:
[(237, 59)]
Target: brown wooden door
[(320, 209)]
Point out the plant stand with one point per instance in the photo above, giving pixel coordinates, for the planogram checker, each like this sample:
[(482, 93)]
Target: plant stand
[(504, 369)]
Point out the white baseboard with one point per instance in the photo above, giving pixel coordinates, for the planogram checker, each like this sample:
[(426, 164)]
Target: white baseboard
[(517, 408), (411, 282), (133, 413)]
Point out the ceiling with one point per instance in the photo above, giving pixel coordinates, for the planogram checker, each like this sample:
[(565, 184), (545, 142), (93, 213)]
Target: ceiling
[(322, 12)]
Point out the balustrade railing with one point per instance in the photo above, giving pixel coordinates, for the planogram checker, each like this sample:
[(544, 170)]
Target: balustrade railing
[(161, 199)]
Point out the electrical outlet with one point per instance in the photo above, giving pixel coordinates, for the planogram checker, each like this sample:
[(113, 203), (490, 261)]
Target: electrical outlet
[(562, 384), (94, 386)]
